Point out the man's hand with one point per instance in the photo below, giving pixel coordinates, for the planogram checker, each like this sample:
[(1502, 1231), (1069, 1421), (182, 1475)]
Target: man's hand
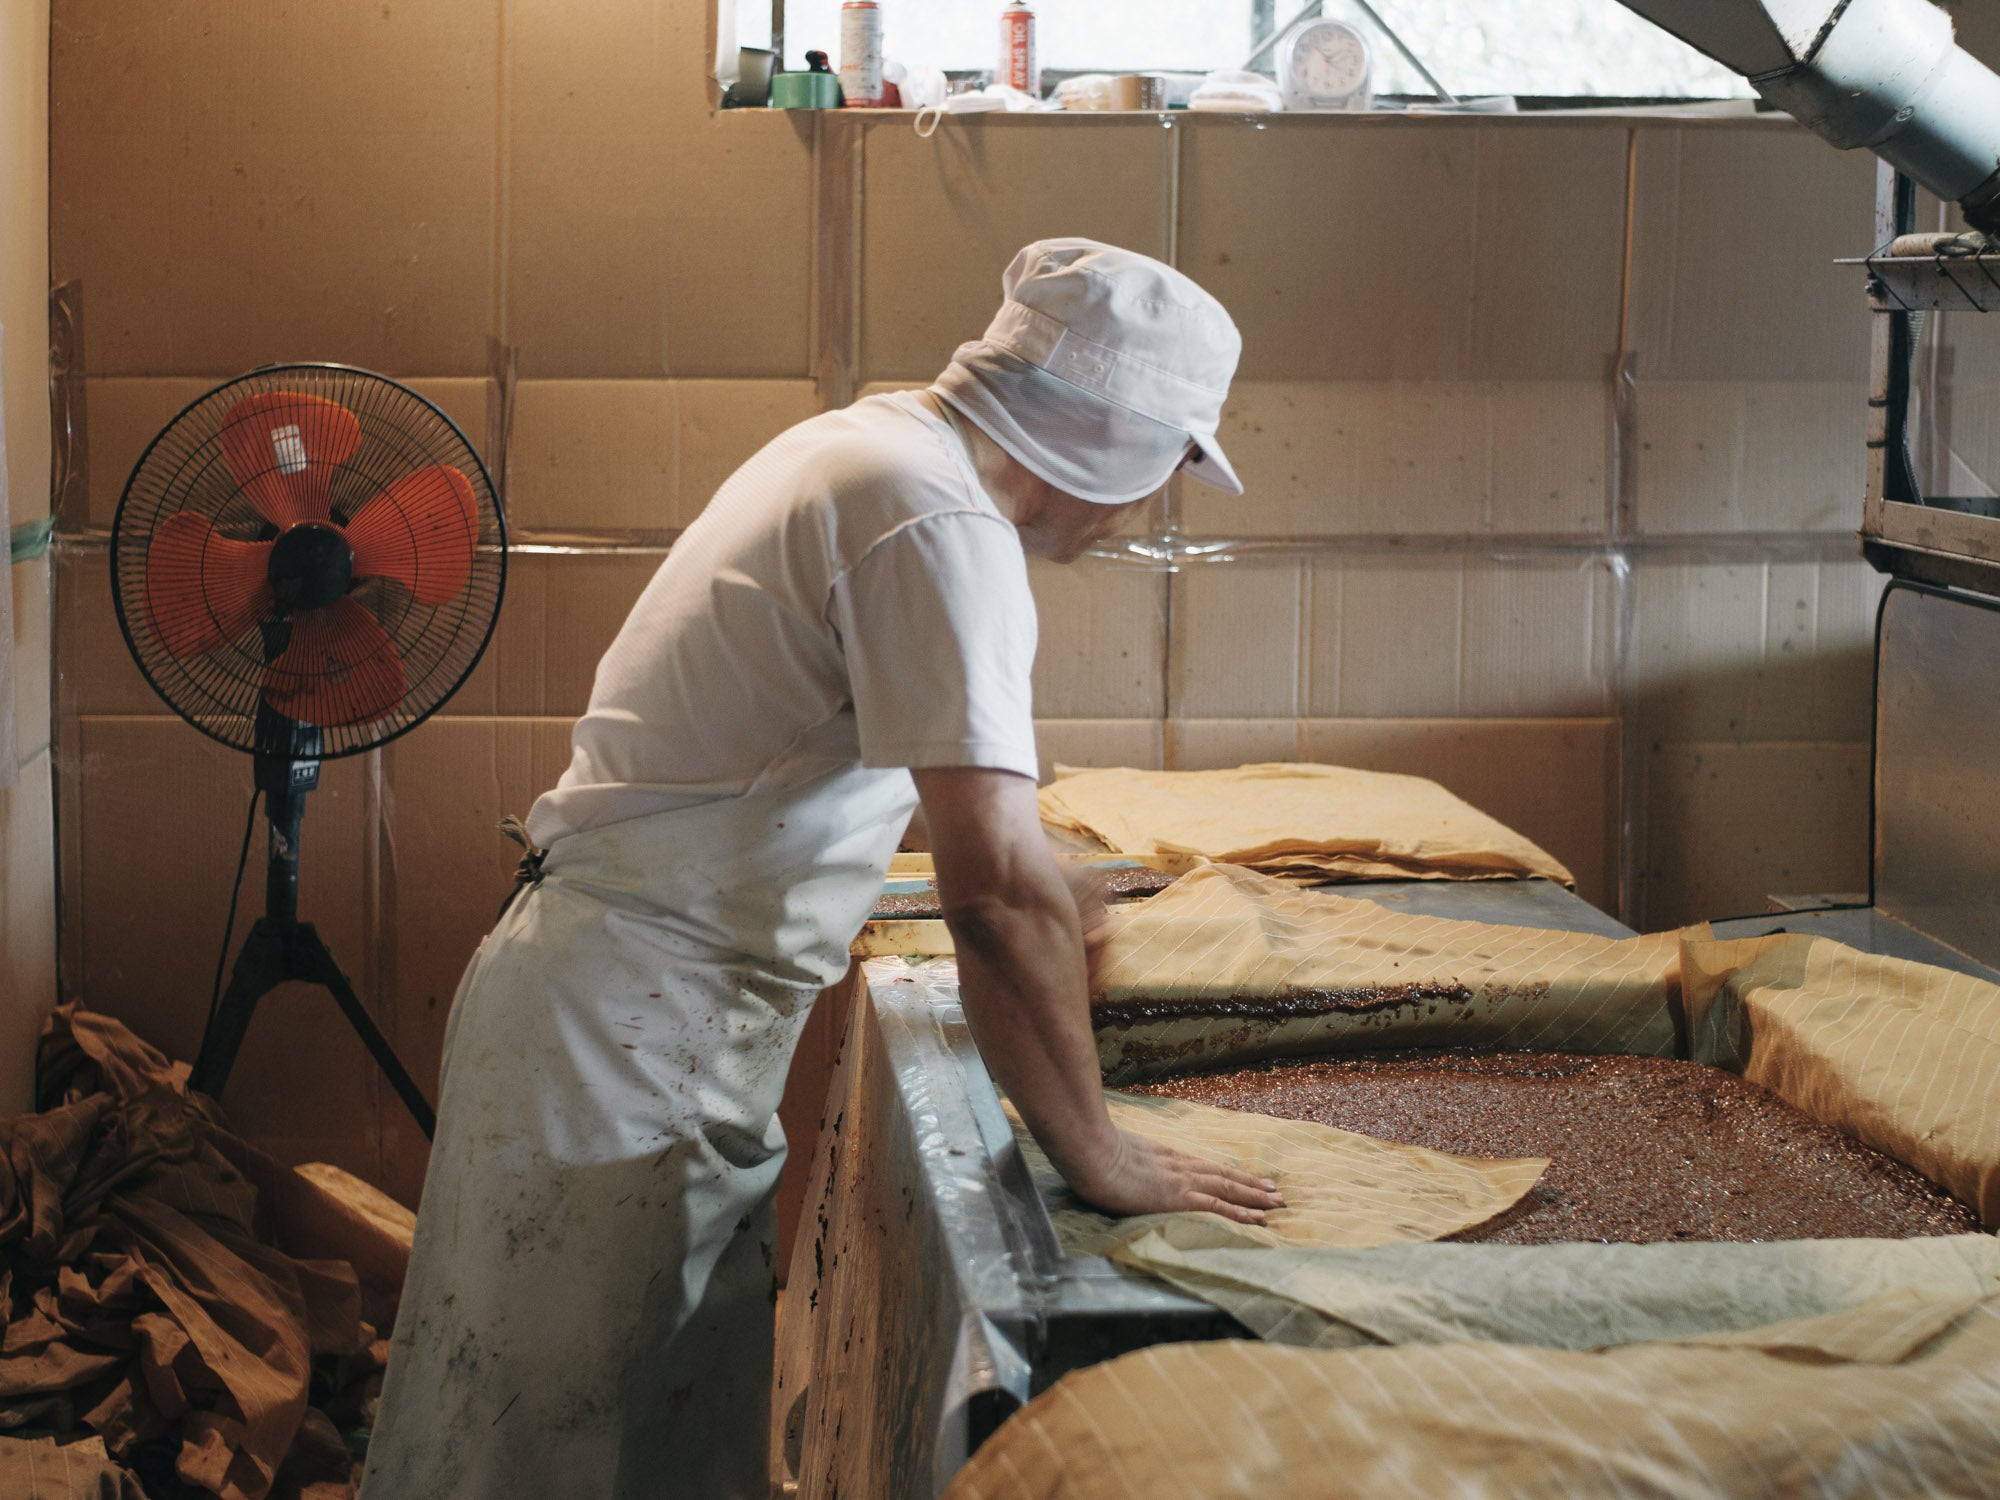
[(1023, 982), (1146, 1177)]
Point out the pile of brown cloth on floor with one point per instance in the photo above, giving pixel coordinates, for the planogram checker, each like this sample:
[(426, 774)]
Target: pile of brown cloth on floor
[(150, 1298)]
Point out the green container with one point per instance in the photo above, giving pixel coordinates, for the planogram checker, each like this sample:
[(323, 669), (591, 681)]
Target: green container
[(805, 91)]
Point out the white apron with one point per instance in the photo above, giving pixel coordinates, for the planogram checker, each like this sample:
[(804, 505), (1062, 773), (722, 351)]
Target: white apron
[(588, 1311)]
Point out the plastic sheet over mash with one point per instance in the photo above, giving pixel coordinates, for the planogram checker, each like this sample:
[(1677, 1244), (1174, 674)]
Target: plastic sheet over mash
[(1227, 966), (1302, 821)]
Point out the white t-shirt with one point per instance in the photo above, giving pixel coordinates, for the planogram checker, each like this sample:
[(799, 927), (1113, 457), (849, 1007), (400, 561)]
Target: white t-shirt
[(850, 594)]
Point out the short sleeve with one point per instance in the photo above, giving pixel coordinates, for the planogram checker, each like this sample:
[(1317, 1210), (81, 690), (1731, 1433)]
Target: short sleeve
[(937, 624)]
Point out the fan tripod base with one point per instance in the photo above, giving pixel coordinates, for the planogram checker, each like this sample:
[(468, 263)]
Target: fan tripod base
[(274, 953)]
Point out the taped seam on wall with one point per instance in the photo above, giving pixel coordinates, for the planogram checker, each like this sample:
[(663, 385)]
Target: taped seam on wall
[(30, 539), (69, 449), (502, 377)]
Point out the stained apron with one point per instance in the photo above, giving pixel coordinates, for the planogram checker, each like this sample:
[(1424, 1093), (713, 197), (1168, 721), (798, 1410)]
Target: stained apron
[(589, 1305)]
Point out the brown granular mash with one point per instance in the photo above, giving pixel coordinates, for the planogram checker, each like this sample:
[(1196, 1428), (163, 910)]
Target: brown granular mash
[(907, 906), (1640, 1149), (1129, 883), (1136, 880)]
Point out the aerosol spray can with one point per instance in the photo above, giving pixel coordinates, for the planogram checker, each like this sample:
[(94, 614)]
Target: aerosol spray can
[(1020, 67), (861, 54)]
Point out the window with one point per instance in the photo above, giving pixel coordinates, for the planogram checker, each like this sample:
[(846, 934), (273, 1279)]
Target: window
[(1543, 48)]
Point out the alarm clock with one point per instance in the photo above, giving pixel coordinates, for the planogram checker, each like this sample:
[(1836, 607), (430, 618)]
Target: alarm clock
[(1324, 64)]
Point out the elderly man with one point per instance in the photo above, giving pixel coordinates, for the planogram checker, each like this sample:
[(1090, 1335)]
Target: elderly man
[(846, 630)]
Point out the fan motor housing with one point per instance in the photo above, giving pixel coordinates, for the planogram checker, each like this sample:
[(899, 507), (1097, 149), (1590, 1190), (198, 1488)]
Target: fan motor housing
[(311, 566)]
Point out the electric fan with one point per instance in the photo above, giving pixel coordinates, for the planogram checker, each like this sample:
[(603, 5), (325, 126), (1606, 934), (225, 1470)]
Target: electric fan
[(307, 562)]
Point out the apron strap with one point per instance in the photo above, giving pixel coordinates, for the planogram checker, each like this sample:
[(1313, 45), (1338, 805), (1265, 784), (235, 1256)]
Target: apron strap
[(529, 871)]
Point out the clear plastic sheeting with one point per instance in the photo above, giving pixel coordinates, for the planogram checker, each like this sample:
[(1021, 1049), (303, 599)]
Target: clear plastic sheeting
[(928, 1296), (883, 1349)]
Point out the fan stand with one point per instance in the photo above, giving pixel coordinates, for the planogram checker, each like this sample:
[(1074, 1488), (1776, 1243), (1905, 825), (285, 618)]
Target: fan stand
[(281, 948)]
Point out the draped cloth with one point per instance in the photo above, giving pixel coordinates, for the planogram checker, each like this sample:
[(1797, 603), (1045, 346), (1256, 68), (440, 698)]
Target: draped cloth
[(147, 1298)]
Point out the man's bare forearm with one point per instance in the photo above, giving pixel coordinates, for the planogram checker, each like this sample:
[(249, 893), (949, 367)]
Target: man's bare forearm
[(1022, 982), (1023, 977), (1021, 964)]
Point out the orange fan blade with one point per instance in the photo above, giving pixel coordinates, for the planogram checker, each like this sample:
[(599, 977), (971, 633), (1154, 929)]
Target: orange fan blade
[(340, 668), (283, 447), (419, 531), (203, 589)]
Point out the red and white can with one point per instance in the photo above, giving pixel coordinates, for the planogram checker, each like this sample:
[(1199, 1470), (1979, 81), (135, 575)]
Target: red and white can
[(1020, 66), (861, 55)]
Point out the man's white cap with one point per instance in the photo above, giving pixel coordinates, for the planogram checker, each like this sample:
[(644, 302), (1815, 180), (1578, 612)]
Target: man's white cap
[(1099, 370)]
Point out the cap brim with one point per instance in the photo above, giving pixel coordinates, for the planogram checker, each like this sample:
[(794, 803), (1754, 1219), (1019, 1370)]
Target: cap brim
[(1212, 468), (1063, 434)]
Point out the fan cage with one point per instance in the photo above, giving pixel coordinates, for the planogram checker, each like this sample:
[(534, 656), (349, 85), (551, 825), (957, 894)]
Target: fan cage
[(183, 469)]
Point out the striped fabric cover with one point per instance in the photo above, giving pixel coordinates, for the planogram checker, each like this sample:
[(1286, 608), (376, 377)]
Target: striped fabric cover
[(1236, 1419), (1903, 1056), (1307, 821), (1229, 966)]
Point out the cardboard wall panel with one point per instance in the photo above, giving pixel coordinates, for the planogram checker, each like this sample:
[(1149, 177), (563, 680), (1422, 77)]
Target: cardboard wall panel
[(1448, 636), (594, 455), (1400, 458), (1098, 742), (270, 183), (96, 673), (637, 455), (1536, 638), (560, 613), (1409, 250), (1556, 780), (1101, 640), (722, 423), (1734, 237), (588, 215), (643, 237), (1729, 824), (1772, 651), (1239, 634), (738, 268), (123, 414), (158, 813), (1406, 660), (941, 218), (1218, 744), (1749, 455)]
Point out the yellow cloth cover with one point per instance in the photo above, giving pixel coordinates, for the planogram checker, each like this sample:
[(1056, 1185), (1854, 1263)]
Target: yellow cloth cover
[(1227, 965), (1219, 1421), (1837, 1367), (1903, 1056), (1305, 821), (1341, 1189)]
